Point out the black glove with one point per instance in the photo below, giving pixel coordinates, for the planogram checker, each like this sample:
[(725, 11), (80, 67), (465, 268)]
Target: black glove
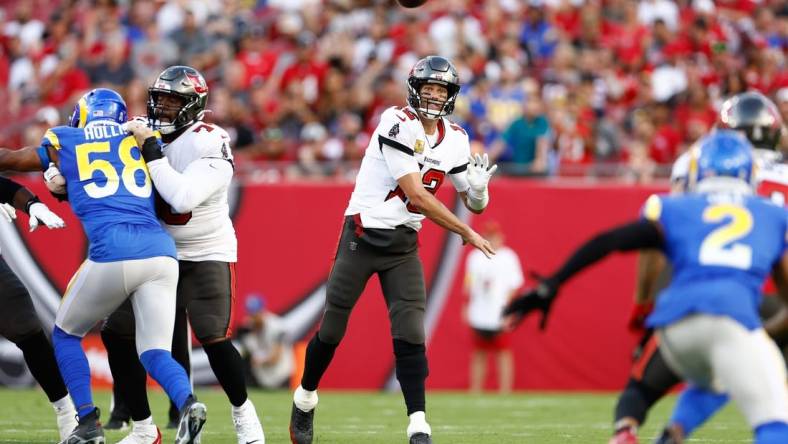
[(151, 149), (540, 298)]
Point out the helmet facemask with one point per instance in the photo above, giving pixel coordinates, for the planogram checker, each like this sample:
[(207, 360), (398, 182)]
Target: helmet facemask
[(433, 107), (168, 118)]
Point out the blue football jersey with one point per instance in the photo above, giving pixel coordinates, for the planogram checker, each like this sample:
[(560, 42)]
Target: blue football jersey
[(110, 191), (722, 247)]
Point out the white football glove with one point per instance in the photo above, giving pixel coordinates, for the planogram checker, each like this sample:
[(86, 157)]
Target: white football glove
[(135, 124), (7, 212), (41, 213), (478, 173), (55, 181)]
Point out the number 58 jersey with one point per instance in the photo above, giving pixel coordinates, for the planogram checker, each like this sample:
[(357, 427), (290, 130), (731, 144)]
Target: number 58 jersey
[(110, 191), (399, 146), (722, 247)]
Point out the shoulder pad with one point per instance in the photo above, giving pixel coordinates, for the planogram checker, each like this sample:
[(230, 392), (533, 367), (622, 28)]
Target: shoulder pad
[(212, 141)]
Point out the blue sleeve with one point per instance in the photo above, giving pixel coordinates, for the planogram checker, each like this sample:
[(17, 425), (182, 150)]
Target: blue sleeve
[(43, 157)]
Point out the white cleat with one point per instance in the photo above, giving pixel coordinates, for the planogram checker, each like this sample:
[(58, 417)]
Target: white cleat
[(143, 434), (247, 425), (66, 420)]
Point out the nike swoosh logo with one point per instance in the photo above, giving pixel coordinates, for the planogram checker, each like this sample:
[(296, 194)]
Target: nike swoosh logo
[(211, 165), (400, 118), (252, 442)]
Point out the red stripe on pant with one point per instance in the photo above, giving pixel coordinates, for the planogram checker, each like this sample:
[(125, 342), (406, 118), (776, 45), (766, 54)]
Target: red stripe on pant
[(229, 333), (652, 346)]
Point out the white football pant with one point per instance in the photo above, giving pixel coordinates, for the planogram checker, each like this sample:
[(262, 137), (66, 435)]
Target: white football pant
[(718, 353), (99, 288)]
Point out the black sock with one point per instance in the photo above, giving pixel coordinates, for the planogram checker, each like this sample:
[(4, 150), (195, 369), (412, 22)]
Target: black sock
[(228, 366), (318, 357), (119, 408), (128, 373), (40, 359), (635, 401), (180, 352), (411, 369)]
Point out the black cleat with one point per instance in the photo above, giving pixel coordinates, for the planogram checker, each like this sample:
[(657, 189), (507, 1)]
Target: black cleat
[(193, 416), (301, 426), (420, 438), (670, 436), (88, 431), (174, 415)]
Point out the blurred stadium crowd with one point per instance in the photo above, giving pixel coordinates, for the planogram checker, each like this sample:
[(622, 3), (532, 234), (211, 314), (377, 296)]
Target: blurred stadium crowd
[(570, 87)]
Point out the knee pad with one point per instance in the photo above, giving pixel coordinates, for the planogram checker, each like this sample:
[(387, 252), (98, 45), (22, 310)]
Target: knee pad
[(771, 433), (407, 322), (334, 324)]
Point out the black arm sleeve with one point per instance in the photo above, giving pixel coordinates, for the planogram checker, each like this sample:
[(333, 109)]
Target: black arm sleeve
[(8, 189), (637, 235)]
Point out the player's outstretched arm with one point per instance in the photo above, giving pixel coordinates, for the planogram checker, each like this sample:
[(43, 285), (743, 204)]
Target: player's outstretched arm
[(14, 196), (433, 209), (650, 265), (641, 234), (23, 159)]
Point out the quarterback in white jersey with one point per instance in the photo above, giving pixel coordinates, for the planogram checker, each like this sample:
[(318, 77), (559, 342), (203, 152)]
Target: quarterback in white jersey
[(400, 146), (411, 152), (191, 167)]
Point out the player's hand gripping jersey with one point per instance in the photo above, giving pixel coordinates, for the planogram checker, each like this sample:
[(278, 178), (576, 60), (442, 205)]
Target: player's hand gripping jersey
[(722, 247), (398, 147), (198, 213), (110, 191)]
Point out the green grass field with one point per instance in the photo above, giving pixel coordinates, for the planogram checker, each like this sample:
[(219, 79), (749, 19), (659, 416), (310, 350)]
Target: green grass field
[(365, 417)]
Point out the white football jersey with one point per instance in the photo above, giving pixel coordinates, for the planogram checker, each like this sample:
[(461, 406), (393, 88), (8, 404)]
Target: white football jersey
[(206, 233), (398, 147)]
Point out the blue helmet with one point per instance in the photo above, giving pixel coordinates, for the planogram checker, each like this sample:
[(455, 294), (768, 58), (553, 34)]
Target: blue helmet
[(724, 153), (98, 104)]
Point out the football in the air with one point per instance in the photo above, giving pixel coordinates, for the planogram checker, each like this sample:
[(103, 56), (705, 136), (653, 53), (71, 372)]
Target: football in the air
[(411, 3)]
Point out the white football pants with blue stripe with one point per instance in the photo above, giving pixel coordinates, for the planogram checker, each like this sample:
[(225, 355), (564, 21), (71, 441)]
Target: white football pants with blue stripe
[(720, 354), (99, 288)]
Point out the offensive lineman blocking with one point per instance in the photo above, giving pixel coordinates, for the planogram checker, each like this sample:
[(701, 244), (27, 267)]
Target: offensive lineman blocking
[(410, 154), (191, 171), (131, 257)]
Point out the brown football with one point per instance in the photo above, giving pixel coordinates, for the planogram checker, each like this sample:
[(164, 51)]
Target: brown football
[(411, 3)]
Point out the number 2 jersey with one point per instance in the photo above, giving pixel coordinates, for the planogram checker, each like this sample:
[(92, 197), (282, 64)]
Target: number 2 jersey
[(722, 247), (110, 191), (399, 146)]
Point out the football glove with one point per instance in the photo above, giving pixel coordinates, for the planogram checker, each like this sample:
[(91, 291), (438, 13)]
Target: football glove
[(55, 181), (7, 212), (637, 318), (478, 173), (540, 298), (40, 213)]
